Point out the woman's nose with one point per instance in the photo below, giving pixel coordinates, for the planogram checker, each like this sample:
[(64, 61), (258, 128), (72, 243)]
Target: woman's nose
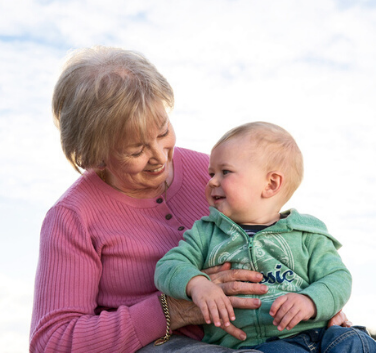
[(159, 154)]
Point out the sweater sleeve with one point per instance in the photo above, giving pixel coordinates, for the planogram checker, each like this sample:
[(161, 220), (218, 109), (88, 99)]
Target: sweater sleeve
[(65, 317), (175, 269), (330, 280)]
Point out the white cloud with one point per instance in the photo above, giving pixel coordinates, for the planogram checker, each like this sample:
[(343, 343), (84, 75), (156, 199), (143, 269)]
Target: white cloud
[(15, 306)]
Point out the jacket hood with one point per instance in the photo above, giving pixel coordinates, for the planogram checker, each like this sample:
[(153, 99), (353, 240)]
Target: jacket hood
[(292, 221)]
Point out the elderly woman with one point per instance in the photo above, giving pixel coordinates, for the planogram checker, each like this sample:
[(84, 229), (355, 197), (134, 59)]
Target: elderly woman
[(100, 242)]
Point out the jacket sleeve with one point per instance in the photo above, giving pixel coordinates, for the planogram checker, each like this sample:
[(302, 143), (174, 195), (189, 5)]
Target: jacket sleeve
[(65, 317), (180, 264), (330, 280)]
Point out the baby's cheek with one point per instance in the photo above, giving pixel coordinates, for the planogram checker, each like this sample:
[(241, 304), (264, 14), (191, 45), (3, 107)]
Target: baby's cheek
[(207, 194)]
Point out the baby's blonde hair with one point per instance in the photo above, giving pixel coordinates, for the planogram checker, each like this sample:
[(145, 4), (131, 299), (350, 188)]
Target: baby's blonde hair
[(278, 151)]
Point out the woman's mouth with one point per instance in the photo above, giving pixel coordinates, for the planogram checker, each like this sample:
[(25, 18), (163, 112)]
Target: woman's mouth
[(156, 171)]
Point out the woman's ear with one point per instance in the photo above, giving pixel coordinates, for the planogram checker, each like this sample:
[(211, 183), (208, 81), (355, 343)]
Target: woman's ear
[(102, 165), (274, 182)]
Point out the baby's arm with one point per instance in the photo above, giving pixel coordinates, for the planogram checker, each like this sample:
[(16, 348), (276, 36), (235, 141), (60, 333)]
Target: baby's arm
[(289, 309), (211, 300)]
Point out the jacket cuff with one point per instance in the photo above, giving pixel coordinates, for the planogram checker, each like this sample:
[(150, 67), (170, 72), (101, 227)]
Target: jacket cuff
[(180, 279), (323, 299)]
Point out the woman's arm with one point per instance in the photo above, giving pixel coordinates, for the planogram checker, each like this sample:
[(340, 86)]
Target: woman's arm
[(65, 313)]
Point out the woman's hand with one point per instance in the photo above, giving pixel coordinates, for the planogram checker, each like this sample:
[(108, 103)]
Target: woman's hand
[(233, 282), (340, 319)]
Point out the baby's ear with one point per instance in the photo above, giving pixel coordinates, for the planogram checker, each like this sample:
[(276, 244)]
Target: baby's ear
[(274, 181)]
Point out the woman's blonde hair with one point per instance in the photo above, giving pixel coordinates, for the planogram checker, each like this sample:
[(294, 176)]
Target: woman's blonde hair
[(278, 151), (100, 91)]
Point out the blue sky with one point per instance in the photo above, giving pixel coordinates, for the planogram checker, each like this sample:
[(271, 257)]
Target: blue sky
[(307, 66)]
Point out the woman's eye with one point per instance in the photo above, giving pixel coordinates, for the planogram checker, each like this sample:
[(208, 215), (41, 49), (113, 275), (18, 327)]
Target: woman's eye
[(137, 154), (164, 134)]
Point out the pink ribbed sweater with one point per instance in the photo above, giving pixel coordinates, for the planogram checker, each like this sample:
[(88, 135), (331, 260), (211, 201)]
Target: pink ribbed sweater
[(94, 289)]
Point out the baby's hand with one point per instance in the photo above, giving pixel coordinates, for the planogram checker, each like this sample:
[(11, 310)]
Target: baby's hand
[(211, 300), (288, 310)]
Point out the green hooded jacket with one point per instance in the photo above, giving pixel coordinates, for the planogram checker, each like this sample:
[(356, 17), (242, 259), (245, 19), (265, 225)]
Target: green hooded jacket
[(296, 254)]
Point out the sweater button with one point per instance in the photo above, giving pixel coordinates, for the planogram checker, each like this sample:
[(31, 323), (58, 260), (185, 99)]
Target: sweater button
[(160, 200), (181, 228), (168, 216)]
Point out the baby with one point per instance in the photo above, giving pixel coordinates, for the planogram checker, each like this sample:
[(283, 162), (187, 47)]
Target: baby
[(254, 170)]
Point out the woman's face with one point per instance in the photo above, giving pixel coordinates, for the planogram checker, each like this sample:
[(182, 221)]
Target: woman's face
[(140, 169)]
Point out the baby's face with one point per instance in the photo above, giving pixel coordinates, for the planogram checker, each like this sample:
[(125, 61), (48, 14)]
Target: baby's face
[(237, 180)]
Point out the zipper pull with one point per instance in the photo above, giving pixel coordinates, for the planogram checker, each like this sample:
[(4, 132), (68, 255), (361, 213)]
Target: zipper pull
[(250, 242)]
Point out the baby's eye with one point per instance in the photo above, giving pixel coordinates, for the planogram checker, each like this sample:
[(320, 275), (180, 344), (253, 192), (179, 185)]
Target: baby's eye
[(225, 171), (211, 175)]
